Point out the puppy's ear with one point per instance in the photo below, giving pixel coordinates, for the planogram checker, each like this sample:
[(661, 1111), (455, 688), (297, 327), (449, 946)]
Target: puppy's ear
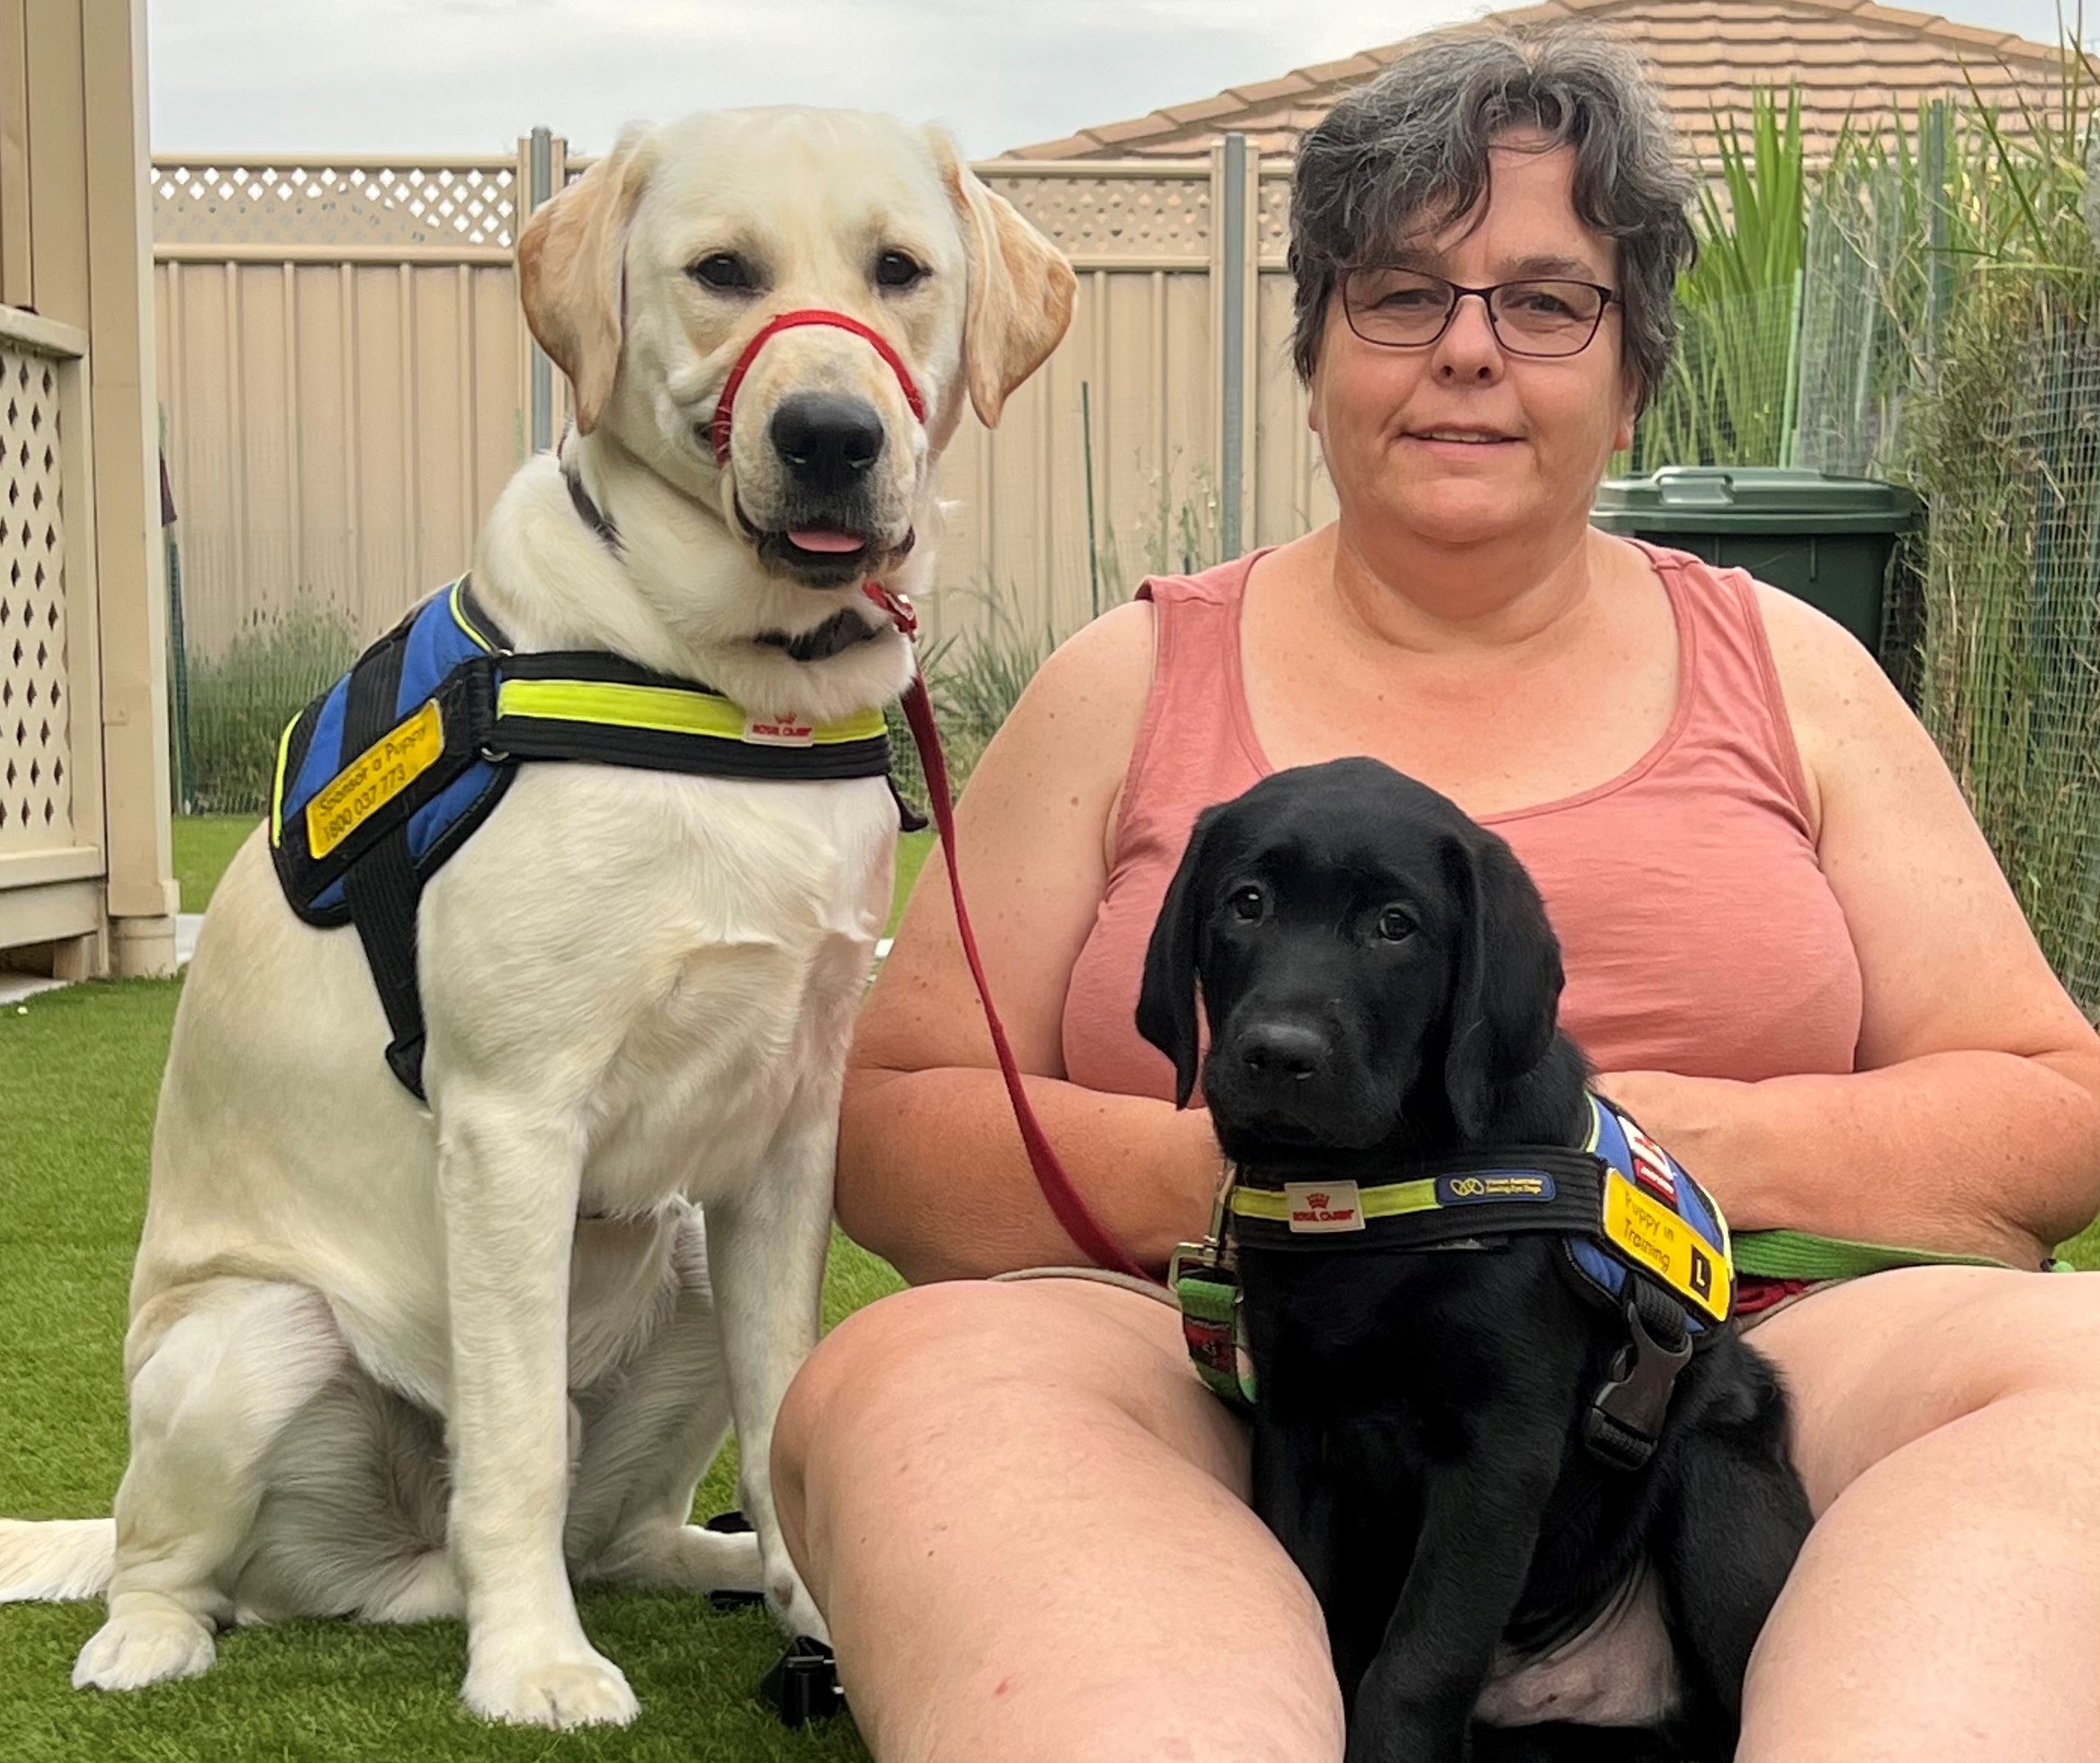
[(572, 274), (1021, 289), (1166, 1000), (1505, 990)]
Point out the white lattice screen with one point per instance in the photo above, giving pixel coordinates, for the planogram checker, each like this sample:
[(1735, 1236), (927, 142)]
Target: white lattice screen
[(36, 794)]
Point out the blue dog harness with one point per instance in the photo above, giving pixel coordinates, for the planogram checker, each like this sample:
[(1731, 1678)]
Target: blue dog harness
[(390, 770), (1641, 1239)]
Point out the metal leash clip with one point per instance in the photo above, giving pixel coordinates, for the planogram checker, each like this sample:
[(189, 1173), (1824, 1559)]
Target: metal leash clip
[(1204, 1279)]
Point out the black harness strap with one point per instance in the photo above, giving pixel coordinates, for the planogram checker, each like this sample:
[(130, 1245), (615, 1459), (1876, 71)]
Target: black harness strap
[(1625, 1417), (520, 736), (1465, 1207), (382, 888)]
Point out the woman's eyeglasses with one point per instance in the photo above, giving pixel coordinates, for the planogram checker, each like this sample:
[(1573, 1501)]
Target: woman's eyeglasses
[(1409, 308)]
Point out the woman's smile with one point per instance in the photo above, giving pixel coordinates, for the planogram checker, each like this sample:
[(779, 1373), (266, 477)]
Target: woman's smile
[(1466, 442)]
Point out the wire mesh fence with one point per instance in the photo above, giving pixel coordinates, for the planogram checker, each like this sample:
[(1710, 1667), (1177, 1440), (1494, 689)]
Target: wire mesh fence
[(2008, 455), (1727, 398)]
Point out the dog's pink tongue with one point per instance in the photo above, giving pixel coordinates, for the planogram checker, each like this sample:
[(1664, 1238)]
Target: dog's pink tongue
[(822, 538)]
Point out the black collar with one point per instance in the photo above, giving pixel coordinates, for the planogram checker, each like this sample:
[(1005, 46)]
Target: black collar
[(594, 516), (843, 630)]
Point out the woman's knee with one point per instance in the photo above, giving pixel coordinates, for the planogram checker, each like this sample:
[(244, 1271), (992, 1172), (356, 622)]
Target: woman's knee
[(1877, 1365), (1066, 1347)]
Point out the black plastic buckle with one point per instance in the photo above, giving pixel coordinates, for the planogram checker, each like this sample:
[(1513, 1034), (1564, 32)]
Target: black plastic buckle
[(1626, 1417), (803, 1686)]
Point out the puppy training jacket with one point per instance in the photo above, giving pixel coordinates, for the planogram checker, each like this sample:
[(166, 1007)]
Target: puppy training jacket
[(1640, 1236), (389, 773)]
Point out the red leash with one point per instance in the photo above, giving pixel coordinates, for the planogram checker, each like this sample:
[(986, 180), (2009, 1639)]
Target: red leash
[(1071, 1211)]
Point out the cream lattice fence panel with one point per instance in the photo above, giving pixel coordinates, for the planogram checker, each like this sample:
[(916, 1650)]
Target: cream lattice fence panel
[(36, 786), (208, 206)]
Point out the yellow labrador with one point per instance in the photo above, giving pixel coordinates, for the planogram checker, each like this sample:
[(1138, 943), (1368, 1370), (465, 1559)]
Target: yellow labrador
[(397, 1363)]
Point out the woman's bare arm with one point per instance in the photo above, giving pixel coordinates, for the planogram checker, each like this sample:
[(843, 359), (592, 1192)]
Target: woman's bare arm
[(1973, 1122), (931, 1172)]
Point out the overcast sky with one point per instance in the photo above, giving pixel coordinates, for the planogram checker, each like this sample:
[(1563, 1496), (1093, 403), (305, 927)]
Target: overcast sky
[(471, 76)]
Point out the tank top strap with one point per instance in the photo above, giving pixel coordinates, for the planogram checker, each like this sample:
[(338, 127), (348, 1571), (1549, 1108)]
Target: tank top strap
[(1192, 747), (1733, 701)]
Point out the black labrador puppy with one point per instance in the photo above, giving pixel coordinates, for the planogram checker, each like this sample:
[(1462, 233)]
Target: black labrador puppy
[(1379, 984)]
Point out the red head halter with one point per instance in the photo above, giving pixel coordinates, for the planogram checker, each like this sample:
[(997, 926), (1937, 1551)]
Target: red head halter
[(814, 315)]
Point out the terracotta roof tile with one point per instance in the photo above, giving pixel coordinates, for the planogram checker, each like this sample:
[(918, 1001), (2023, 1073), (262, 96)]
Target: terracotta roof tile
[(1848, 56), (1115, 134), (1289, 85), (1224, 104), (1348, 69)]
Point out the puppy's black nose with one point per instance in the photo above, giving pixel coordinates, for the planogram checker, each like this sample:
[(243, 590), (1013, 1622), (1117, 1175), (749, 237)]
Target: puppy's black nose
[(1284, 1052), (827, 439)]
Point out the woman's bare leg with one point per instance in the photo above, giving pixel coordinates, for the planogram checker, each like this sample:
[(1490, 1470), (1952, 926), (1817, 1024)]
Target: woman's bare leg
[(1026, 1523), (1947, 1606)]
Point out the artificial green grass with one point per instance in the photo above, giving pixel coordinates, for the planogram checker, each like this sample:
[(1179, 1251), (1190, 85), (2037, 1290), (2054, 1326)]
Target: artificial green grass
[(912, 850), (204, 844)]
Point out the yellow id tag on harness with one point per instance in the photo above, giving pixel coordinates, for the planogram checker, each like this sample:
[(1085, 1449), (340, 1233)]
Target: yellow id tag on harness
[(374, 779), (1651, 1235)]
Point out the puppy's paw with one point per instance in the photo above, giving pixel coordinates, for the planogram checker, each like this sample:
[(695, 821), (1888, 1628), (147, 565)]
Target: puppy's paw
[(585, 1691), (150, 1646)]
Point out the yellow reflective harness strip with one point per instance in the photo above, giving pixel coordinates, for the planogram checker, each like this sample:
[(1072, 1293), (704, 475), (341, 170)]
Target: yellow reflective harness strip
[(1390, 1200), (277, 784), (459, 616), (664, 708)]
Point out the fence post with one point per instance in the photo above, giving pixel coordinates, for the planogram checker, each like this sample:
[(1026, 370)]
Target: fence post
[(539, 158), (1229, 182)]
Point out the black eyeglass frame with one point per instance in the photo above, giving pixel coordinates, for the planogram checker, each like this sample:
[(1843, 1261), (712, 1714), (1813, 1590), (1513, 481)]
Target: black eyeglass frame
[(1608, 297)]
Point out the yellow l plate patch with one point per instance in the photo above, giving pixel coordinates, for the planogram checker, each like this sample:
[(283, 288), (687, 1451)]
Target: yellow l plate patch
[(374, 779), (1651, 1234)]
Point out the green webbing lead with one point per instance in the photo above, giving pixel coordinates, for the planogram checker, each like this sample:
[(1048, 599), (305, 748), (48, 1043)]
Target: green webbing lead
[(1797, 1255), (1209, 1298)]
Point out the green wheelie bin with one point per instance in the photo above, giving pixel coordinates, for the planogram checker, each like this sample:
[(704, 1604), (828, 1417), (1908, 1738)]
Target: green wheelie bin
[(1828, 540)]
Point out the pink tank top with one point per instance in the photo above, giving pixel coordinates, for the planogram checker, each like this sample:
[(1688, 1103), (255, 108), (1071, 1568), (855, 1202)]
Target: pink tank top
[(1697, 929)]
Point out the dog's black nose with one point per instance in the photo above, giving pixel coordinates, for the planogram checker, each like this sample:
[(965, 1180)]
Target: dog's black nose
[(826, 438), (1284, 1052)]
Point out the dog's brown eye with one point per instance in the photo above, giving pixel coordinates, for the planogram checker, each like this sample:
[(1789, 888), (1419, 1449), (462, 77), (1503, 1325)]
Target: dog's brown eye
[(1395, 925), (898, 269), (724, 272), (1247, 905)]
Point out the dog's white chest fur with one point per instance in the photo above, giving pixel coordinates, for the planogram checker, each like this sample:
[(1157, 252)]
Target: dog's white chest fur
[(717, 935)]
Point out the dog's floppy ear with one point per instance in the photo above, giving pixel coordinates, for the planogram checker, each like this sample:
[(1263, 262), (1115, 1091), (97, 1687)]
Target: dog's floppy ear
[(1506, 986), (571, 280), (1021, 289), (1166, 1000)]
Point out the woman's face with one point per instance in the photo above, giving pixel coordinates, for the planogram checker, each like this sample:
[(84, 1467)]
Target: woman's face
[(1458, 442)]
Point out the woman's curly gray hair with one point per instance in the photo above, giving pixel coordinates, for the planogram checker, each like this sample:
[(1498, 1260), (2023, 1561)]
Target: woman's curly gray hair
[(1406, 155)]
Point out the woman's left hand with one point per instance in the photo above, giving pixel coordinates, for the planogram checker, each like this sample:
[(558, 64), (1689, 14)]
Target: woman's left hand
[(1660, 1101)]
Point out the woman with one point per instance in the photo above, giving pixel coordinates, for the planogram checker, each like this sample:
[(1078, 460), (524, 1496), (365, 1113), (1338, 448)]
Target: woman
[(1787, 945)]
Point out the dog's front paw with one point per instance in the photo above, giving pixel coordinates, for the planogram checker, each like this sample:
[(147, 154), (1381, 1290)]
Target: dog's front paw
[(142, 1646), (588, 1690), (791, 1602)]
